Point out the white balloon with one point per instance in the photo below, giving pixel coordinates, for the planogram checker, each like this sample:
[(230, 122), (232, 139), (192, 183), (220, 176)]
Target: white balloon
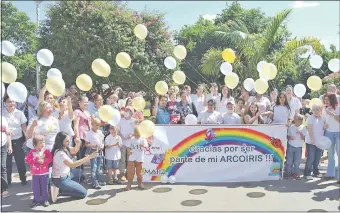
[(334, 65), (164, 179), (190, 119), (323, 143), (226, 67), (299, 90), (308, 51), (7, 48), (121, 103), (17, 92), (316, 61), (170, 63), (3, 90), (115, 118), (45, 57), (248, 84), (259, 66), (54, 72), (172, 179)]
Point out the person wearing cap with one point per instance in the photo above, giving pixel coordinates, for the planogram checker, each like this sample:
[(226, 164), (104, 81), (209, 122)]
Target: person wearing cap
[(210, 116), (230, 117), (126, 128)]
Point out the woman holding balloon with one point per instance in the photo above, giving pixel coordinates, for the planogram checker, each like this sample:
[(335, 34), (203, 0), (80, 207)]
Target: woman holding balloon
[(17, 128), (185, 107), (331, 114)]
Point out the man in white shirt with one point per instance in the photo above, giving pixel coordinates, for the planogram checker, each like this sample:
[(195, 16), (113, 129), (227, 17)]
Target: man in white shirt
[(210, 116), (294, 102), (198, 99), (230, 117)]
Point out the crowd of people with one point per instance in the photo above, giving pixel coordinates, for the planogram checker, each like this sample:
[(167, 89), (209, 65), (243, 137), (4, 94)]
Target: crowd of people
[(56, 136)]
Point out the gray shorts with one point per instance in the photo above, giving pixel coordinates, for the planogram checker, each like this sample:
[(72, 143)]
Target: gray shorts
[(111, 164)]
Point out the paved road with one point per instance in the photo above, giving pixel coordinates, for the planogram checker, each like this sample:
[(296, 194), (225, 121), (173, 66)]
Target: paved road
[(285, 195)]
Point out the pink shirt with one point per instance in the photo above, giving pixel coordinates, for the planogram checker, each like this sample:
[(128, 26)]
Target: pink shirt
[(84, 122), (33, 158)]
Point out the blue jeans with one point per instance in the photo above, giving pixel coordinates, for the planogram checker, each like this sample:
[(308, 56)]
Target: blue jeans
[(95, 168), (4, 185), (69, 187), (335, 147), (294, 155), (313, 160)]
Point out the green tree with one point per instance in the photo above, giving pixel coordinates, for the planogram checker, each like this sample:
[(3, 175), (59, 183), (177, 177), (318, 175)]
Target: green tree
[(17, 28), (79, 33)]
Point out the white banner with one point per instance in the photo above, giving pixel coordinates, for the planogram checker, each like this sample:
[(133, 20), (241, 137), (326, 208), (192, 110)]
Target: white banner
[(216, 153)]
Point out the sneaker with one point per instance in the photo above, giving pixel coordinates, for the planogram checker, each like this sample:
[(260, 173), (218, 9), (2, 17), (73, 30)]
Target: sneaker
[(296, 176), (5, 194), (318, 175), (123, 178), (102, 184), (45, 204), (96, 186), (34, 204), (309, 177)]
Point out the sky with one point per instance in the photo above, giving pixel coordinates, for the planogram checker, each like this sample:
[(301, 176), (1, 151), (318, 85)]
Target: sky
[(309, 18)]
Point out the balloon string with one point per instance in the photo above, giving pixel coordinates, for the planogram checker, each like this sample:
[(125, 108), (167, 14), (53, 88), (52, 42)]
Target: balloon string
[(162, 116), (197, 72), (108, 82), (191, 81)]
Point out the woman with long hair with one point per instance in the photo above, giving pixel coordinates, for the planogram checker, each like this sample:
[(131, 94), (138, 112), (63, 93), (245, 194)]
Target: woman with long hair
[(294, 102), (225, 98), (331, 114), (253, 115), (44, 95), (281, 110), (62, 176)]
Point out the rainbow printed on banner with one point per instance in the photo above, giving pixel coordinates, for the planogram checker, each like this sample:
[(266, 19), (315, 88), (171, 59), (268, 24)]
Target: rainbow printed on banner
[(221, 137)]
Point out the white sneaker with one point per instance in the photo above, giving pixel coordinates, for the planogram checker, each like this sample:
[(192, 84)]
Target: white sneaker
[(309, 177), (319, 176), (5, 194)]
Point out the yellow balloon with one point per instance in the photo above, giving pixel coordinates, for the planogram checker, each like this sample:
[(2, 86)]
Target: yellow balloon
[(261, 86), (141, 31), (315, 101), (229, 55), (269, 71), (176, 89), (180, 52), (105, 113), (138, 103), (84, 82), (146, 128), (178, 77), (8, 73), (231, 79), (55, 85), (161, 87), (101, 68), (123, 60), (314, 83)]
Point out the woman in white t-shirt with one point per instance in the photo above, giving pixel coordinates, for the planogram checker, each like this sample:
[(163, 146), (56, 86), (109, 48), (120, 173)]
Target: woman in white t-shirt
[(315, 129), (281, 111), (62, 176), (214, 95), (253, 116), (6, 147), (136, 151), (294, 102), (225, 98), (66, 117), (17, 127), (331, 115), (45, 124), (198, 99)]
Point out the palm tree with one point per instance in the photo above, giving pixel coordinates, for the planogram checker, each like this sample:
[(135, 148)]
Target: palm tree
[(251, 49)]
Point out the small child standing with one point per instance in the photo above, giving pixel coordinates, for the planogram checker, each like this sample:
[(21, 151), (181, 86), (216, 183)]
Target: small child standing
[(39, 159), (136, 150), (94, 142), (113, 142), (296, 137)]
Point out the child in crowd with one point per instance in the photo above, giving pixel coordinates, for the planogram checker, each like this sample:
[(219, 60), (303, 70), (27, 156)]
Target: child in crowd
[(315, 127), (39, 159), (94, 142), (305, 110), (113, 142), (172, 107), (296, 137), (136, 150)]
